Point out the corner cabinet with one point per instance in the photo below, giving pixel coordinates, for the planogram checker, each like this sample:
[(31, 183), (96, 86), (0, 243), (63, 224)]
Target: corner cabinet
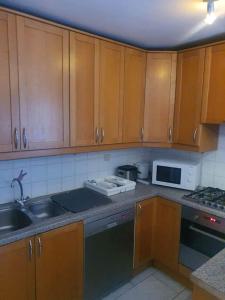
[(134, 93), (159, 98), (189, 133), (43, 60), (47, 266), (9, 98), (111, 80)]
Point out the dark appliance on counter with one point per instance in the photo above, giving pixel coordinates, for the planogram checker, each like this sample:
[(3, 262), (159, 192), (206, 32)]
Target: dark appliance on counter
[(202, 236), (128, 172), (109, 244)]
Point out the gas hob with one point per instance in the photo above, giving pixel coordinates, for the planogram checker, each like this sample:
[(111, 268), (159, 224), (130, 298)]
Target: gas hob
[(211, 197)]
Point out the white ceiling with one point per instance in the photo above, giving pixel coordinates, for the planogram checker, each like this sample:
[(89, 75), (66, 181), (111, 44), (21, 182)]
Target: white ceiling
[(146, 23)]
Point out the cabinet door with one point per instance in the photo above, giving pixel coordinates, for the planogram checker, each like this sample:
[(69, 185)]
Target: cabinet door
[(9, 101), (144, 232), (59, 263), (214, 85), (84, 77), (134, 91), (44, 84), (167, 233), (17, 271), (111, 92), (159, 97), (189, 96)]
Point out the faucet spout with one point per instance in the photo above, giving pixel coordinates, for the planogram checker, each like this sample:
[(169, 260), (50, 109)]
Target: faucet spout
[(18, 180)]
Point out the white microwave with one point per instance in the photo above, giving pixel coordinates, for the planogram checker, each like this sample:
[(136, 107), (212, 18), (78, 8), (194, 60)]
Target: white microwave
[(176, 173)]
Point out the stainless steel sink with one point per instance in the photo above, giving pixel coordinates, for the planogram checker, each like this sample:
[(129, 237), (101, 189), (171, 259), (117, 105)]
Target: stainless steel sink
[(46, 210), (12, 220)]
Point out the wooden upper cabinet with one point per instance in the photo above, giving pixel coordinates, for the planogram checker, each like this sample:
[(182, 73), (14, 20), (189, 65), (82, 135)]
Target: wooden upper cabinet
[(144, 224), (43, 57), (59, 263), (190, 73), (160, 97), (213, 111), (111, 78), (134, 92), (17, 271), (167, 233), (84, 75), (9, 100)]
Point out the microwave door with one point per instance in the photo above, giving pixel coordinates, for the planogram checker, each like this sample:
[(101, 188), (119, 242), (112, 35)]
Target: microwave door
[(168, 175)]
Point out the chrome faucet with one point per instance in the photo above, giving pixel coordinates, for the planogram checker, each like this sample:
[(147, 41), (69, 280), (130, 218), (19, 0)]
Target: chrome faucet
[(19, 179)]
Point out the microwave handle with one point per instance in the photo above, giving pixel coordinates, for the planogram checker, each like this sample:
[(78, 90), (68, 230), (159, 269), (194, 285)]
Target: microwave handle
[(206, 234)]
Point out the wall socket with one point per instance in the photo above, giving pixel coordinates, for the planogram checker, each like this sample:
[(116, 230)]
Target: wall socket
[(107, 157)]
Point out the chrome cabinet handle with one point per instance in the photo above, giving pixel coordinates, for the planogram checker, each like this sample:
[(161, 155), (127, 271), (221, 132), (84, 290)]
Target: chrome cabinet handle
[(39, 246), (30, 249), (195, 135), (102, 135), (142, 134), (97, 135), (24, 138), (16, 138), (170, 135)]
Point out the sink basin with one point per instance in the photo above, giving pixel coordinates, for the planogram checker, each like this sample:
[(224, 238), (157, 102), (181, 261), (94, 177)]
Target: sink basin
[(12, 220), (46, 209)]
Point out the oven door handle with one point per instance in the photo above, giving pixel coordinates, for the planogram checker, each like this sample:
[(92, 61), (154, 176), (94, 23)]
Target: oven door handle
[(207, 234)]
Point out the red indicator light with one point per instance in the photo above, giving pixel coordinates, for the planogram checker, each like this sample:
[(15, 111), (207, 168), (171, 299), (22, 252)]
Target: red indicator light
[(212, 220)]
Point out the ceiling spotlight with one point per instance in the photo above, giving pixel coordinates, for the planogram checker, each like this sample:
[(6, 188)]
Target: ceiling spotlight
[(211, 17)]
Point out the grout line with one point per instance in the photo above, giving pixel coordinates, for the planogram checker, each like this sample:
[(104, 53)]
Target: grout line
[(178, 294)]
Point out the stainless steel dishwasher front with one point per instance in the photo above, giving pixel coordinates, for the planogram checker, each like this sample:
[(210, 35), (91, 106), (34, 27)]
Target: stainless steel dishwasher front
[(109, 246)]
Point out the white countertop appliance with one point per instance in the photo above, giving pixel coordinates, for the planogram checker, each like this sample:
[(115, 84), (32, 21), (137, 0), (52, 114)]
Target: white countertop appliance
[(143, 169), (182, 174)]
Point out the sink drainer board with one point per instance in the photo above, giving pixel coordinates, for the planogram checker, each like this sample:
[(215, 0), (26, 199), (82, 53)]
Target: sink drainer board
[(80, 199)]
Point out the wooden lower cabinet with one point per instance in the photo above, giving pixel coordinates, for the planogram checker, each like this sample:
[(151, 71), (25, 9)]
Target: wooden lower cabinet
[(144, 233), (157, 233), (200, 294), (59, 263), (17, 270), (46, 267)]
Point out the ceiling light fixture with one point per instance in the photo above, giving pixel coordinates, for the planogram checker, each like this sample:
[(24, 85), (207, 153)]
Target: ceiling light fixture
[(211, 17)]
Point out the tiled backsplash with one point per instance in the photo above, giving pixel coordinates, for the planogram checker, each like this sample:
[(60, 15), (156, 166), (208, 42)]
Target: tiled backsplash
[(59, 173)]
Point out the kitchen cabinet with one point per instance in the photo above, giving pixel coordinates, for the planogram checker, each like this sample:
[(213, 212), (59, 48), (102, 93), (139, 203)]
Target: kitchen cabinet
[(189, 134), (144, 226), (134, 92), (111, 81), (9, 100), (159, 98), (84, 75), (59, 263), (213, 111), (167, 233), (200, 294), (17, 271), (43, 58)]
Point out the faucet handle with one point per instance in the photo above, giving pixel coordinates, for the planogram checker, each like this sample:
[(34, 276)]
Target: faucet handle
[(21, 175)]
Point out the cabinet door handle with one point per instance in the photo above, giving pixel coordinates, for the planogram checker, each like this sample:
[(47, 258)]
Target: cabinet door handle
[(16, 138), (170, 135), (102, 135), (195, 135), (39, 246), (142, 134), (97, 135), (30, 249), (24, 138)]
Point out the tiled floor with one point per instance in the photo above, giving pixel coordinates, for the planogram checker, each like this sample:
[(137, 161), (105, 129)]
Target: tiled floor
[(151, 285)]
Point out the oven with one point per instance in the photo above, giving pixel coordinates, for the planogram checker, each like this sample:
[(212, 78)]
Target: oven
[(202, 236)]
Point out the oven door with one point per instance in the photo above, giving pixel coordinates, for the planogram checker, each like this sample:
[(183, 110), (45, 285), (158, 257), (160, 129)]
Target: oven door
[(198, 244)]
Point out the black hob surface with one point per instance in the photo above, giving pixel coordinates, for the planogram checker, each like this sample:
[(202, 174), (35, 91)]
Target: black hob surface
[(80, 199), (209, 196)]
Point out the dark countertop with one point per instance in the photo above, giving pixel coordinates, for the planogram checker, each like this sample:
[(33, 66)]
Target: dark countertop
[(203, 276)]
